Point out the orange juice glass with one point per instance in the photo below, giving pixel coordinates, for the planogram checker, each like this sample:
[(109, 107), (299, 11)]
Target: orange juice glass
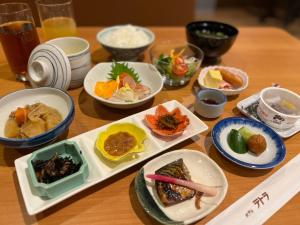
[(57, 18)]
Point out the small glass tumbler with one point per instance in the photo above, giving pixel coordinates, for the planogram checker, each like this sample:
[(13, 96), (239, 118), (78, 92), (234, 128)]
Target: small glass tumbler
[(57, 18), (18, 36)]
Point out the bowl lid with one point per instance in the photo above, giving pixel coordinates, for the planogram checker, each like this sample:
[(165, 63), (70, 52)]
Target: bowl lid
[(49, 66)]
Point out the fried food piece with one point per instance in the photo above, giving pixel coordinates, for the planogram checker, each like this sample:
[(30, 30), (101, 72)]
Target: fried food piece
[(235, 80)]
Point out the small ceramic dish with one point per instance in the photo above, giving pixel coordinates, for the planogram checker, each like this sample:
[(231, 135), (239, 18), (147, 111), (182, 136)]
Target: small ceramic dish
[(56, 188), (50, 96), (148, 74), (227, 92), (137, 132), (202, 169), (271, 157), (60, 63), (125, 53), (210, 103), (248, 107), (276, 96)]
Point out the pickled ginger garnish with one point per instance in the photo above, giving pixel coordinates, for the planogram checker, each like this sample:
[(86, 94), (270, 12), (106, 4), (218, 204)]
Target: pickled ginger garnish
[(208, 190)]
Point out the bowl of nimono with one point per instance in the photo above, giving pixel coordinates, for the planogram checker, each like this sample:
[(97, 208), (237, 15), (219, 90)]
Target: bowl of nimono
[(33, 117)]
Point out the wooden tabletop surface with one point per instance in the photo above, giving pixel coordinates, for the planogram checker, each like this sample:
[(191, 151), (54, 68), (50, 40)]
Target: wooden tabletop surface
[(266, 54)]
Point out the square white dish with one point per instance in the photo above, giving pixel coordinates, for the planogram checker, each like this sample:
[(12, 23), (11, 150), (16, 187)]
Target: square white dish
[(100, 169), (252, 101)]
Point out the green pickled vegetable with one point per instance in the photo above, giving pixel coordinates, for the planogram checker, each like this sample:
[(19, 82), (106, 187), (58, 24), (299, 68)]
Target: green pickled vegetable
[(246, 133), (236, 142)]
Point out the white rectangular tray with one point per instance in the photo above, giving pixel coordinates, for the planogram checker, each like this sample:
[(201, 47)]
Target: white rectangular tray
[(100, 169)]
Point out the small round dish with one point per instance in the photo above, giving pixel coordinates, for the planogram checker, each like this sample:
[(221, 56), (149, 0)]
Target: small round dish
[(50, 96), (227, 92), (138, 133), (177, 62), (271, 157), (148, 74), (202, 170), (125, 53), (271, 116), (204, 107)]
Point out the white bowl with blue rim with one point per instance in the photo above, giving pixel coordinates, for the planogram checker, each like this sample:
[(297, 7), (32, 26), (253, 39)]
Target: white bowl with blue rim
[(271, 157), (202, 169), (125, 53), (210, 110), (52, 97)]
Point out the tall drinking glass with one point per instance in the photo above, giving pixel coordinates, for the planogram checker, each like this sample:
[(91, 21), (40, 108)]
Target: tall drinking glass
[(57, 18), (18, 36)]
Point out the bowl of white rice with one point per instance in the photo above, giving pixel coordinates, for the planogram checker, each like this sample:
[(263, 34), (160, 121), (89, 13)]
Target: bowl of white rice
[(125, 42)]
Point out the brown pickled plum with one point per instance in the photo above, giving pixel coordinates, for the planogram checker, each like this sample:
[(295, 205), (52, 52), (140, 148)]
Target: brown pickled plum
[(257, 144)]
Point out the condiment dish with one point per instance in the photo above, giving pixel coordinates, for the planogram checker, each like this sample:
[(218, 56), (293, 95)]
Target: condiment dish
[(58, 187)]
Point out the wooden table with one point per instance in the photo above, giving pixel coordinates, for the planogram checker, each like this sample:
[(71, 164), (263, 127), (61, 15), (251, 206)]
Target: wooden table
[(266, 54)]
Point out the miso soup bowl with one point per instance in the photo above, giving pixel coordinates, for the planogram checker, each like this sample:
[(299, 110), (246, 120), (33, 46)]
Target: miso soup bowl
[(78, 52), (271, 116), (51, 97)]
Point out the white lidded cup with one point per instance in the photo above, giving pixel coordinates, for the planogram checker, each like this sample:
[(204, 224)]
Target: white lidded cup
[(273, 117), (61, 63)]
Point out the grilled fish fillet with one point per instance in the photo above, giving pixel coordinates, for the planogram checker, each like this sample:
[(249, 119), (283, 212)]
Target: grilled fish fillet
[(171, 194)]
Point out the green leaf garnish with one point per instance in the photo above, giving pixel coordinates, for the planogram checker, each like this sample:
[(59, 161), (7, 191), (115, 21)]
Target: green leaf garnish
[(118, 68)]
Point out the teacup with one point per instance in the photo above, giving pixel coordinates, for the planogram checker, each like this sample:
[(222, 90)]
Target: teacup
[(273, 117), (60, 63), (78, 53)]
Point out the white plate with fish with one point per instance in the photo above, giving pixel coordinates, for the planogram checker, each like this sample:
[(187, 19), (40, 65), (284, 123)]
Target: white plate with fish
[(201, 169), (123, 85)]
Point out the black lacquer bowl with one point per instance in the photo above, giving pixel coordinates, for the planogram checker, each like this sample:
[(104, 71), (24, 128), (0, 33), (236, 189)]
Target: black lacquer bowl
[(213, 38)]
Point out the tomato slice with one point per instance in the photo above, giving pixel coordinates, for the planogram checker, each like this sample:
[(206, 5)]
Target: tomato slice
[(180, 69)]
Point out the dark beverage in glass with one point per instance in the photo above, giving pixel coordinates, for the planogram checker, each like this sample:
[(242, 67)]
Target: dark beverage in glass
[(18, 36)]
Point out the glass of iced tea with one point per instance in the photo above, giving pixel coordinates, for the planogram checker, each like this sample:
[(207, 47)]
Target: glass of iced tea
[(18, 36), (57, 18)]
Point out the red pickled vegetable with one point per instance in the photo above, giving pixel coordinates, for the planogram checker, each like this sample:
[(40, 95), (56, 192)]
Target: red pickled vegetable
[(208, 190)]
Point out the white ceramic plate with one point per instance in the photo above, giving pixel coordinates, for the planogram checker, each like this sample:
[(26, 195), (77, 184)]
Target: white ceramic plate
[(100, 169), (202, 170), (236, 71), (148, 74)]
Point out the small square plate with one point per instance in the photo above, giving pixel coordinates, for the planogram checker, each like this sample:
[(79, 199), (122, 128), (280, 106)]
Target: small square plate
[(248, 107)]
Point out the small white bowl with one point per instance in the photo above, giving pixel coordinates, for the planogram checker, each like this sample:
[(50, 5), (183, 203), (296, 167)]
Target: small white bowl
[(78, 52), (148, 74), (125, 53), (233, 70), (271, 116)]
